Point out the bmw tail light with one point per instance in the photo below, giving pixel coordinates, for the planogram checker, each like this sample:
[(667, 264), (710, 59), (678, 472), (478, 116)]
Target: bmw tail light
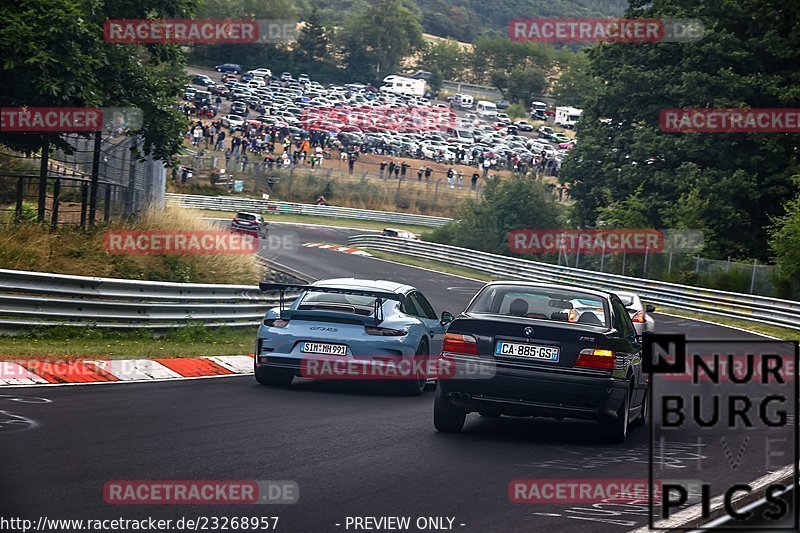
[(276, 322), (639, 317), (597, 358), (460, 344), (385, 332)]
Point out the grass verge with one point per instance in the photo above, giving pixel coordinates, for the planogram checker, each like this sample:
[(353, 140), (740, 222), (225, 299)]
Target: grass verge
[(75, 251), (79, 342), (774, 331), (325, 221)]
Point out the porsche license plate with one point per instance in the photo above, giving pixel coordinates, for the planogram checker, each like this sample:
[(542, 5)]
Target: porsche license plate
[(324, 348)]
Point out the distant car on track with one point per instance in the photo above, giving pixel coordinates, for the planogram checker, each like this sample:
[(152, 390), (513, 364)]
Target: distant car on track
[(358, 321), (400, 233), (544, 364), (250, 223), (640, 313)]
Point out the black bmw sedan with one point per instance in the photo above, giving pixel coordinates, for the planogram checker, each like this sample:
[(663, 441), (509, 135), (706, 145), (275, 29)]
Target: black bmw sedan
[(553, 350)]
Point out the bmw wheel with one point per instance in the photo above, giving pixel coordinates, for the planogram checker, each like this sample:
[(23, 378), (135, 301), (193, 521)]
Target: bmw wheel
[(617, 428), (643, 414), (447, 418)]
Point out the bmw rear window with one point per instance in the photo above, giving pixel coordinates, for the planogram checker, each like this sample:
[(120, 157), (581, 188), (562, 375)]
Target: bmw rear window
[(542, 303)]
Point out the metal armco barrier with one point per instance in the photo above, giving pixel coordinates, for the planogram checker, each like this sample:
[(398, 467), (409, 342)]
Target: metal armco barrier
[(43, 299), (233, 203), (746, 307)]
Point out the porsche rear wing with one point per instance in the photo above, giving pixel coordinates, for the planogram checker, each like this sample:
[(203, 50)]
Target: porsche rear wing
[(379, 295)]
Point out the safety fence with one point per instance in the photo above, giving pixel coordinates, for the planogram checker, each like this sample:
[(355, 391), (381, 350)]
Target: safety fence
[(746, 307)]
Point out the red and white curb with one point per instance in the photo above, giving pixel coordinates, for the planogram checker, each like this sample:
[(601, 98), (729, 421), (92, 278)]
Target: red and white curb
[(337, 248), (67, 371)]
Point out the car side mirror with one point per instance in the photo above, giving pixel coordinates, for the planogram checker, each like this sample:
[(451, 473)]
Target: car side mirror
[(447, 317), (650, 308)]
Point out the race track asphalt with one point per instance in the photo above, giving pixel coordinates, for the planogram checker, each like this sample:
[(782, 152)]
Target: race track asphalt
[(354, 450)]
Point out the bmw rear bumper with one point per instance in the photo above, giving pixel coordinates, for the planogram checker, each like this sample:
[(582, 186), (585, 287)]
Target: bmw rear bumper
[(528, 392)]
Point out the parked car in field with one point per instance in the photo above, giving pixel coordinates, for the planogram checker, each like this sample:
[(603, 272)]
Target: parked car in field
[(559, 137), (202, 80), (239, 107), (229, 67), (364, 323), (567, 145), (542, 363), (232, 121), (546, 132), (502, 104), (523, 125)]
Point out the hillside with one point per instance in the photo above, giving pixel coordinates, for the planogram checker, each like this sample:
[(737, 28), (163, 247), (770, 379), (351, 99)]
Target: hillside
[(466, 19)]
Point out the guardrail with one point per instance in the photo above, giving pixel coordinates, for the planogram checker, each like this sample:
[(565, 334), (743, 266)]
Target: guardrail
[(760, 309), (234, 203), (43, 299)]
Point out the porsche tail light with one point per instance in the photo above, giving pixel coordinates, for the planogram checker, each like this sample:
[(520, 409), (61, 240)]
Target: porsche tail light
[(460, 344), (276, 322), (639, 317), (596, 358), (385, 332)]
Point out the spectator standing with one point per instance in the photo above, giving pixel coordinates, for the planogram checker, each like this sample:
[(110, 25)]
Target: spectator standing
[(391, 168), (460, 179), (475, 177), (382, 167)]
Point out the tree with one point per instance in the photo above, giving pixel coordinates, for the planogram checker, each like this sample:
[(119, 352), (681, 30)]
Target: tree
[(507, 205), (523, 84), (446, 57), (54, 55), (784, 241), (737, 182), (312, 39), (376, 38), (576, 85)]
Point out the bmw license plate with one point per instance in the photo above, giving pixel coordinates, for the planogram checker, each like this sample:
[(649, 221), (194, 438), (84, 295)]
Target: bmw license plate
[(324, 348), (534, 351)]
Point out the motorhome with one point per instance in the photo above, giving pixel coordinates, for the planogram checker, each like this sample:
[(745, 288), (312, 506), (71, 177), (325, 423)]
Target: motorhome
[(567, 116), (401, 85), (486, 109)]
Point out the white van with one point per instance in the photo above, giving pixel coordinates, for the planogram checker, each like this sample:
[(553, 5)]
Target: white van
[(464, 101), (462, 135), (486, 109)]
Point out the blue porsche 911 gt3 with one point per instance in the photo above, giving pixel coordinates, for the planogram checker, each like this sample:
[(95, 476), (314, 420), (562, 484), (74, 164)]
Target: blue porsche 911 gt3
[(350, 329)]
